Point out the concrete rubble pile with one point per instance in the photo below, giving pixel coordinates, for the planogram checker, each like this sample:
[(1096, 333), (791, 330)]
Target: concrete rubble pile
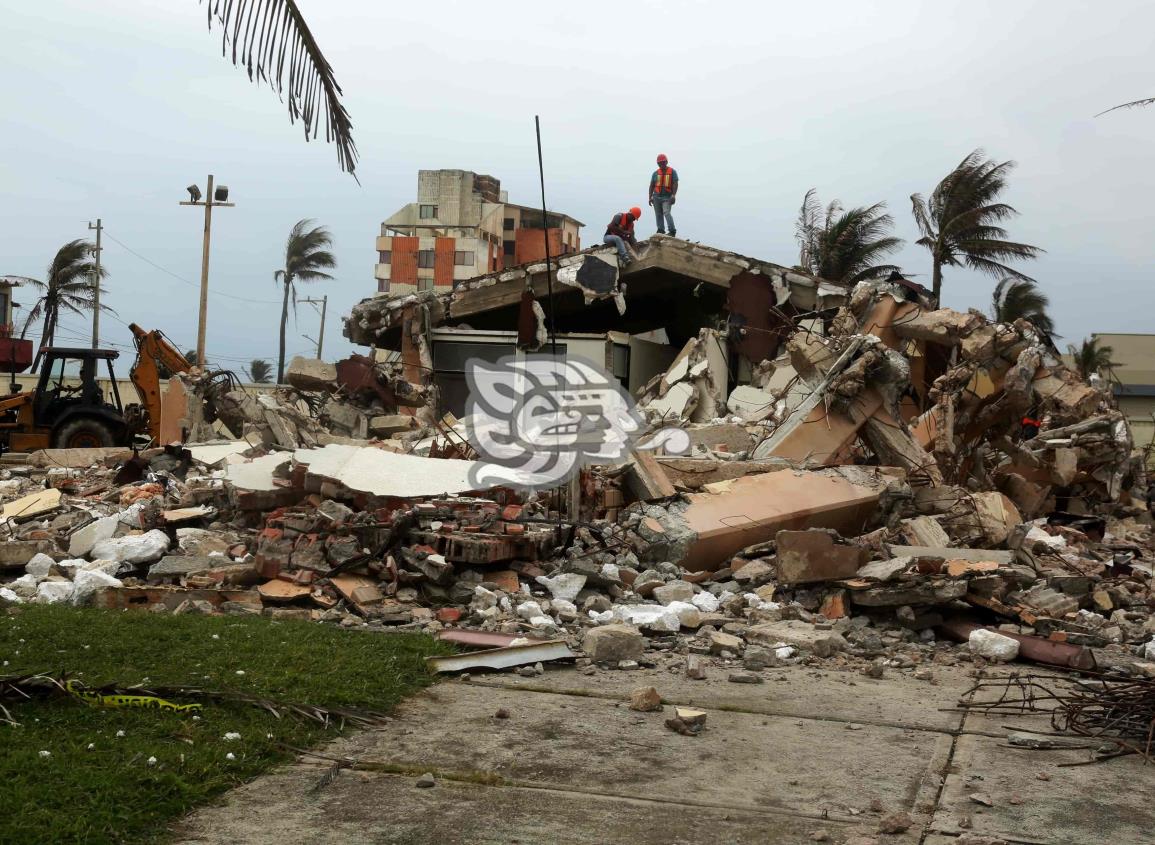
[(356, 400), (869, 498)]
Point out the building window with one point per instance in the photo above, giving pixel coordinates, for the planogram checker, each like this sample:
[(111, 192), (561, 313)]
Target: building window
[(428, 212), (425, 258), (464, 258), (508, 226), (386, 256), (508, 247), (424, 284)]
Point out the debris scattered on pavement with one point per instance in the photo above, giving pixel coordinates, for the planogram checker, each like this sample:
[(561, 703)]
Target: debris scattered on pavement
[(869, 499)]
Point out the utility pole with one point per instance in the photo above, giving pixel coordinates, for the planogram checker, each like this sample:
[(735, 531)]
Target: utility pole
[(324, 305), (210, 200), (99, 227)]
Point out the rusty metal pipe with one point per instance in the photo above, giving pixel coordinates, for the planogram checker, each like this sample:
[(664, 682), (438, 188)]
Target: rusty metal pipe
[(1035, 649)]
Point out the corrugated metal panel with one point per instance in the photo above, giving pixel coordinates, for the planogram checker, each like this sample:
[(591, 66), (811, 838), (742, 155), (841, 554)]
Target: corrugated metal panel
[(443, 261), (404, 267)]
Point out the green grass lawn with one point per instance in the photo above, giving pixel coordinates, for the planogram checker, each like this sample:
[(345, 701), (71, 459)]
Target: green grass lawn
[(97, 784)]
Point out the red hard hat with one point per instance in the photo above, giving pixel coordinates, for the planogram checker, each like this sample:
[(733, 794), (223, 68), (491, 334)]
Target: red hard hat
[(662, 159), (637, 212)]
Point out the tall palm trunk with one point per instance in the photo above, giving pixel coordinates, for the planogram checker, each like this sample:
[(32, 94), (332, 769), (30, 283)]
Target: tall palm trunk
[(936, 282), (284, 321)]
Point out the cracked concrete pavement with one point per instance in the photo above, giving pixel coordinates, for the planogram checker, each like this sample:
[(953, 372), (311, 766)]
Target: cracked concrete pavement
[(809, 752)]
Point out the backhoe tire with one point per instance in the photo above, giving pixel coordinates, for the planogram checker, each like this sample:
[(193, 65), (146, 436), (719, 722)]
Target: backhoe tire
[(83, 433)]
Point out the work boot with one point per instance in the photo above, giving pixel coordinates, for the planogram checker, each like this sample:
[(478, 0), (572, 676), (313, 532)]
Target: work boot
[(661, 231), (673, 234)]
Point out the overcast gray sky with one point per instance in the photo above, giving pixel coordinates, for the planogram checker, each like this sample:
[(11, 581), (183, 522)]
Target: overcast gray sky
[(110, 109)]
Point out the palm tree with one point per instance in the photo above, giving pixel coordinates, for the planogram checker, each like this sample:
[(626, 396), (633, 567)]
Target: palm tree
[(272, 42), (843, 245), (190, 356), (1090, 357), (959, 223), (69, 287), (1015, 298), (306, 256), (260, 371)]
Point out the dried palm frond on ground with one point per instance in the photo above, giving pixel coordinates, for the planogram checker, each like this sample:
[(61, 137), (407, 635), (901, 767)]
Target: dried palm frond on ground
[(15, 689), (1117, 710)]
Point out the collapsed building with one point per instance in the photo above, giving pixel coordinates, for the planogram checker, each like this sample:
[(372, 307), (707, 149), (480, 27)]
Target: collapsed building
[(865, 476)]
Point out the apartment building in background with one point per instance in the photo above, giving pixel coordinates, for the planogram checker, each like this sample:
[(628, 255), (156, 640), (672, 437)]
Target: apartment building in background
[(463, 226)]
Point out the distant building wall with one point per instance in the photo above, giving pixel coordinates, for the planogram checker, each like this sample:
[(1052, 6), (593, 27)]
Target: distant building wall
[(459, 228)]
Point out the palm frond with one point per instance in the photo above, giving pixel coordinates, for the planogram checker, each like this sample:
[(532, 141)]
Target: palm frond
[(1015, 299), (24, 280), (1134, 104), (18, 689), (273, 43)]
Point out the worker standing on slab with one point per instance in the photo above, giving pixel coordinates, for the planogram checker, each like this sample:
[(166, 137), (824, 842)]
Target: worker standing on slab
[(663, 190), (620, 232)]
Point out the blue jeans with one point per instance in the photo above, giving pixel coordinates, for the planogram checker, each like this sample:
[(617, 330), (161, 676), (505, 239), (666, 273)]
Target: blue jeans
[(623, 253), (662, 206)]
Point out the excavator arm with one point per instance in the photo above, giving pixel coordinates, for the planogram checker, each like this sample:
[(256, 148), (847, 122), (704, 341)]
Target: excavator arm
[(153, 354)]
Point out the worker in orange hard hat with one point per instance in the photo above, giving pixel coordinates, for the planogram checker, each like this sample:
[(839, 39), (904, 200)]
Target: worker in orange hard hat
[(663, 191), (620, 232)]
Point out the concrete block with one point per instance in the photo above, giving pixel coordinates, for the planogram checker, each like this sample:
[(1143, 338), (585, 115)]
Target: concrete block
[(15, 554), (806, 557), (311, 374), (613, 643), (175, 566), (386, 425)]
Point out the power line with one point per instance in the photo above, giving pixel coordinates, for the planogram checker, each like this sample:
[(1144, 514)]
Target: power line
[(180, 278)]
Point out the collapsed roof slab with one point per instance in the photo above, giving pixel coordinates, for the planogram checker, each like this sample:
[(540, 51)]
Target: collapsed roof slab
[(731, 515), (642, 296)]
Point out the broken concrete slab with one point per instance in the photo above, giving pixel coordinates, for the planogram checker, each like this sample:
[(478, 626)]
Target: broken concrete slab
[(213, 454), (897, 594), (31, 506), (502, 658), (176, 566), (647, 479), (16, 554), (257, 474), (386, 425), (133, 548), (752, 404), (806, 557), (884, 570), (384, 473), (732, 515), (81, 541), (77, 458), (924, 531), (792, 632), (999, 556), (311, 374)]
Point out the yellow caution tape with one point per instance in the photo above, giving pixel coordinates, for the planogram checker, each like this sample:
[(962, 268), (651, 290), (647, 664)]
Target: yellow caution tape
[(147, 702)]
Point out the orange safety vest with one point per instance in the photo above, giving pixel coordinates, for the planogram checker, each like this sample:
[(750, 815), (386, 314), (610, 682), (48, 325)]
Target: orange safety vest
[(625, 225), (664, 181)]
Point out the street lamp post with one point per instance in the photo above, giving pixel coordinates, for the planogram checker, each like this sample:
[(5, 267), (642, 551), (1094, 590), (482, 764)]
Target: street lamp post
[(211, 199)]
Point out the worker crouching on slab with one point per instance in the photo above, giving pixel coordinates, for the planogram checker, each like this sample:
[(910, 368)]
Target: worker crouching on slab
[(620, 232), (663, 191)]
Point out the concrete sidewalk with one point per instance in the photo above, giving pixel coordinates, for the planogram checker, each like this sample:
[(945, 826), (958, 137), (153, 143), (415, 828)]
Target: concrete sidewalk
[(808, 753)]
